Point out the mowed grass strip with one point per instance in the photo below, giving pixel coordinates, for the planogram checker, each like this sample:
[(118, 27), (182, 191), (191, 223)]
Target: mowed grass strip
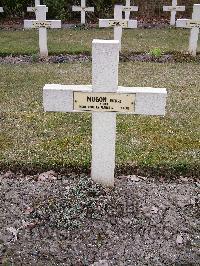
[(33, 140), (75, 41)]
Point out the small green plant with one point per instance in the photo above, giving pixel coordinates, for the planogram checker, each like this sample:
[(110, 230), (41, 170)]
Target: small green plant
[(35, 58), (156, 52)]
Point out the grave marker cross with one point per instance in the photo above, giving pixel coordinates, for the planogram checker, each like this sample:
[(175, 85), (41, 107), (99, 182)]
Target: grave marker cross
[(104, 99), (83, 9), (128, 9), (33, 9), (173, 9), (194, 25), (1, 10), (118, 23), (42, 24)]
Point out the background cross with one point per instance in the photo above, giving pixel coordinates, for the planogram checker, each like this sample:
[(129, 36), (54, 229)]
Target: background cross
[(194, 25), (173, 9), (118, 23), (128, 9), (83, 9)]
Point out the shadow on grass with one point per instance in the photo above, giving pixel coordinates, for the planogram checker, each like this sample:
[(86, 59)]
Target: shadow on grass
[(164, 171)]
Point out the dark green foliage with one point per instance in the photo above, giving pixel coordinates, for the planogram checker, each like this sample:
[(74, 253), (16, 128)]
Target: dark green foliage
[(14, 8), (61, 9)]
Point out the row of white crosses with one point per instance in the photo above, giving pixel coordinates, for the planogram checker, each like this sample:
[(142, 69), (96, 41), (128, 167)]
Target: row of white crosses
[(118, 23), (42, 24), (128, 8), (104, 99), (83, 9), (194, 25), (174, 8)]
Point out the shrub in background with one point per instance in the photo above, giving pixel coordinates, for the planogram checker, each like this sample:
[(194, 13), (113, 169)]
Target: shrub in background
[(62, 9)]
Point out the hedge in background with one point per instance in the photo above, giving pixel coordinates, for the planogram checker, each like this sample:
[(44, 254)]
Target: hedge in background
[(62, 9)]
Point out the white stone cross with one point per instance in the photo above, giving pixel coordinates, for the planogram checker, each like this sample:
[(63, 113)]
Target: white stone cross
[(33, 9), (83, 9), (118, 23), (42, 24), (128, 9), (194, 25), (104, 98), (1, 10), (173, 9)]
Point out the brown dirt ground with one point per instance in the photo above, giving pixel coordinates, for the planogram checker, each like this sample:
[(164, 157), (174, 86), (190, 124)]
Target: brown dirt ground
[(67, 58), (53, 219)]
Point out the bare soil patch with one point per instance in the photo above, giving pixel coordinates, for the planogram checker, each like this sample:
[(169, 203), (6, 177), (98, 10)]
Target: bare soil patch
[(70, 58), (52, 219)]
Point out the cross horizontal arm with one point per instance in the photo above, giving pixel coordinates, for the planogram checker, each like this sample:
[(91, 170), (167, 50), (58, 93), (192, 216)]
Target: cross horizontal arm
[(33, 9), (89, 9), (187, 23), (148, 101), (105, 23), (53, 24), (129, 8), (173, 8), (79, 8)]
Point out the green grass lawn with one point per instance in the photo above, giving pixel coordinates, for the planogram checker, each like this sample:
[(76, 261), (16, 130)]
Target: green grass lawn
[(32, 139), (79, 41)]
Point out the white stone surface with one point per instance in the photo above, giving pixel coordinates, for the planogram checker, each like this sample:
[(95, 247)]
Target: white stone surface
[(105, 23), (173, 9), (194, 25), (149, 101), (105, 60), (1, 9), (48, 24), (59, 98), (128, 9), (120, 23), (42, 23), (83, 9)]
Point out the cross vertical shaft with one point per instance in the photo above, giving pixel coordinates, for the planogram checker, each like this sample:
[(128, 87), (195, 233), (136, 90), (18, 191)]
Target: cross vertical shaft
[(173, 13), (41, 16), (37, 3), (83, 5), (105, 59), (118, 29), (127, 13), (194, 33)]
